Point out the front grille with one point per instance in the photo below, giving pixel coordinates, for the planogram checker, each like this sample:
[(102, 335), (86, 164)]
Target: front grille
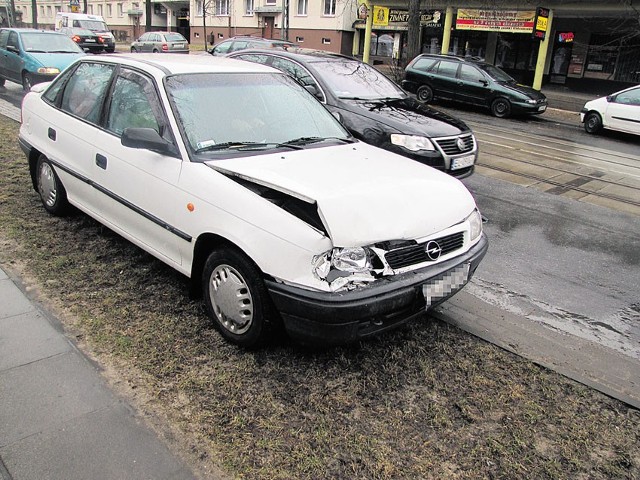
[(449, 145), (414, 254)]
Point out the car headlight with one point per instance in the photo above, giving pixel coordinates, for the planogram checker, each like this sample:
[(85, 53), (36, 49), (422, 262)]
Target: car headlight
[(49, 70), (412, 142), (475, 224), (532, 102), (342, 260)]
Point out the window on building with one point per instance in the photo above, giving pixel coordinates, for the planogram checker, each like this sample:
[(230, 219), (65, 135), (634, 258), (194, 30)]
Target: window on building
[(326, 41), (109, 10), (299, 39), (99, 9), (49, 11), (248, 7), (329, 7), (58, 8), (303, 6), (222, 7), (199, 7), (90, 9), (42, 10), (121, 10), (270, 2)]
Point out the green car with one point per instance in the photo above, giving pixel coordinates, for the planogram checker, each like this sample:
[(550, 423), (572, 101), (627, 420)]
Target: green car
[(471, 82), (29, 56)]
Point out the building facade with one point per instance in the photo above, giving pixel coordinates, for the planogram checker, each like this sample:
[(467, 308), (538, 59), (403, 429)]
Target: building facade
[(590, 42)]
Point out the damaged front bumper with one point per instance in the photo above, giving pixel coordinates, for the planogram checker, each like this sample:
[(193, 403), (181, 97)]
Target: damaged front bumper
[(334, 318)]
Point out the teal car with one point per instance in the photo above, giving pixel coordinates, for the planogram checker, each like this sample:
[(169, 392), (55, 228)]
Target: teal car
[(29, 56)]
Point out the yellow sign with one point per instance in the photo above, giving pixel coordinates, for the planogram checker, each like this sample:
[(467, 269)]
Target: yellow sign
[(512, 21), (541, 24), (380, 16)]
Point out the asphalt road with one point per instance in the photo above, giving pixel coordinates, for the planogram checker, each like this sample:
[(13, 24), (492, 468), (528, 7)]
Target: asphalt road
[(560, 282)]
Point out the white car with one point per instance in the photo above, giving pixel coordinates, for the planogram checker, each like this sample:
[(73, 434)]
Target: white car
[(618, 111), (236, 176)]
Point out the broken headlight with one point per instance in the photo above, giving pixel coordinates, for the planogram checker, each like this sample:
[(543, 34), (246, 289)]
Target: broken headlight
[(344, 267), (412, 142)]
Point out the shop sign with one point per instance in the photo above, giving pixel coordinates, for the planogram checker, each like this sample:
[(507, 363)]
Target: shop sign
[(363, 11), (508, 21), (74, 5), (380, 16), (397, 18), (565, 37), (541, 22)]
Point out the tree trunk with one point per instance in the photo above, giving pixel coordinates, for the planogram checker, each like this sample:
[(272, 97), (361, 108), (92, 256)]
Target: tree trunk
[(148, 16), (413, 31), (34, 9), (204, 25)]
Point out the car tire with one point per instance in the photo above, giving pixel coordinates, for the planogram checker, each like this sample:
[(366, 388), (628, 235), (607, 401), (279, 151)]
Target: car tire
[(110, 50), (50, 188), (425, 94), (155, 50), (236, 297), (592, 122), (133, 50), (1, 82), (27, 82), (501, 108)]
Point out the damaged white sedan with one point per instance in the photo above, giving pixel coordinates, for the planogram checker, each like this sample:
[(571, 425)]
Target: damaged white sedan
[(237, 177)]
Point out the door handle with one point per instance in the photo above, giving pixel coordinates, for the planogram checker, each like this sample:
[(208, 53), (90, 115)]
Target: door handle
[(101, 161), (51, 133)]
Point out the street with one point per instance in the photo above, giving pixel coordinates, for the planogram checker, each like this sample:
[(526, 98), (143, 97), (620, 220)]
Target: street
[(563, 217)]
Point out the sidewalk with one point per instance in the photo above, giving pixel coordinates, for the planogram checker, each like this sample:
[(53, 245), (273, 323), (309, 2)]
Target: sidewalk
[(58, 417)]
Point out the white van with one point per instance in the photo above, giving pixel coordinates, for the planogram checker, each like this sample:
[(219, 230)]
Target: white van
[(95, 23)]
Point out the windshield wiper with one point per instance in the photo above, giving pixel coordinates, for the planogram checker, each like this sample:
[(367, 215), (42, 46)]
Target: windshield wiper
[(299, 142), (231, 146)]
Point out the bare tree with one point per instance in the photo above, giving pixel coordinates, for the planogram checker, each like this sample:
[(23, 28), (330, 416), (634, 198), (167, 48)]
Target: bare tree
[(413, 30)]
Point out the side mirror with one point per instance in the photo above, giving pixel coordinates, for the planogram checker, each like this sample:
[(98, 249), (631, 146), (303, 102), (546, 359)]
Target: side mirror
[(483, 82), (148, 139), (610, 98), (13, 49)]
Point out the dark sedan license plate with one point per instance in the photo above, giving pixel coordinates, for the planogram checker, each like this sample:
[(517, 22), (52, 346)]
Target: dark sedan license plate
[(89, 40), (442, 287)]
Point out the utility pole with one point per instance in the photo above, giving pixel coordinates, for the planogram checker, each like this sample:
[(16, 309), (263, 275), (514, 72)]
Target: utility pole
[(34, 16), (147, 16)]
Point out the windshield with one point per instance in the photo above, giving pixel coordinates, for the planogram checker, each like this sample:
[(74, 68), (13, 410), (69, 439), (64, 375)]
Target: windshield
[(352, 79), (253, 111), (497, 74), (93, 25), (41, 42), (174, 37)]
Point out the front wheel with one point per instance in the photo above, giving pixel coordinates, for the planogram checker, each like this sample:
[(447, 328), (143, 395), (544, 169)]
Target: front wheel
[(592, 123), (501, 108), (50, 188), (236, 298), (27, 82), (425, 93), (133, 50), (1, 82)]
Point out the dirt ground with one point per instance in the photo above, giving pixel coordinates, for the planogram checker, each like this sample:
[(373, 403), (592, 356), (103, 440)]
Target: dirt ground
[(425, 402)]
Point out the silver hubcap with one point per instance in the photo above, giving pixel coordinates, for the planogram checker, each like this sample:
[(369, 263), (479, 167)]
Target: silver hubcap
[(47, 185), (231, 299)]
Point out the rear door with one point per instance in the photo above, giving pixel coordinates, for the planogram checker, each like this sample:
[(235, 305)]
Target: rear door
[(445, 81)]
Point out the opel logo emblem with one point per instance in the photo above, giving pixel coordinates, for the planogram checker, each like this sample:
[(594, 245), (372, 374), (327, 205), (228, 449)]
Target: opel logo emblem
[(433, 250), (460, 144)]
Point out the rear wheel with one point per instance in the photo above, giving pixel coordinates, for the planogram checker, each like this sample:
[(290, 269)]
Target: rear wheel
[(592, 123), (501, 108), (236, 298), (52, 193), (155, 50), (133, 50), (425, 93), (27, 82)]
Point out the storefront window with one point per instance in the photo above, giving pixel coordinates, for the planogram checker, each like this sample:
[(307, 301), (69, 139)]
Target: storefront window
[(601, 57), (381, 45)]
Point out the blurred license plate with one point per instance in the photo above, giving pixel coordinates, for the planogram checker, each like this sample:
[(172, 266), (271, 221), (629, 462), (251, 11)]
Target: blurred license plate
[(90, 40), (178, 45), (442, 287), (542, 108), (462, 162)]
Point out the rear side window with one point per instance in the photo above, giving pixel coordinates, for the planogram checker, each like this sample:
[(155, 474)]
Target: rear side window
[(470, 74), (424, 64), (222, 48), (447, 69), (85, 91), (4, 35)]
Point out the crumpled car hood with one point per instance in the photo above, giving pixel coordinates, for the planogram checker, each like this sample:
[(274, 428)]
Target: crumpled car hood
[(364, 194)]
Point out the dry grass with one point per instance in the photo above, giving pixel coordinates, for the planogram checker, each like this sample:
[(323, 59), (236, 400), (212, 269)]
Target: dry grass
[(428, 401)]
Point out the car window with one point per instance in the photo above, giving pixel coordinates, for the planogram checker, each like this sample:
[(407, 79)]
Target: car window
[(144, 37), (356, 80), (175, 37), (470, 73), (58, 84), (630, 97), (295, 70), (132, 103), (222, 48), (13, 40), (424, 63), (238, 45), (84, 93), (4, 36), (446, 68), (253, 57)]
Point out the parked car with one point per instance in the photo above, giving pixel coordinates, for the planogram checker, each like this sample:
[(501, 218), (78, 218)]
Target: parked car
[(29, 56), (254, 191), (86, 39), (472, 82), (619, 111), (242, 42), (375, 109), (161, 42)]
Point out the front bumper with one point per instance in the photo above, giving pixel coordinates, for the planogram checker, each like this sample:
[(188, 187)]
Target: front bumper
[(326, 318), (528, 108)]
